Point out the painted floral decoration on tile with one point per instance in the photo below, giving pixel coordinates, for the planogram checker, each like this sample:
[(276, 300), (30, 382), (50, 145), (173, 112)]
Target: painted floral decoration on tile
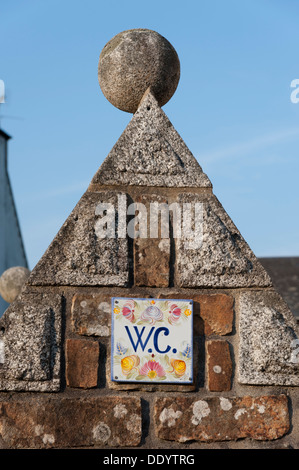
[(152, 340)]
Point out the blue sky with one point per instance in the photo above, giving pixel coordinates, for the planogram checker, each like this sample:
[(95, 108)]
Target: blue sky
[(232, 106)]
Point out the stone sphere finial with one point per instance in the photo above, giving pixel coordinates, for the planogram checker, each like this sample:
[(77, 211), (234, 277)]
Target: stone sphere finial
[(12, 281), (133, 61)]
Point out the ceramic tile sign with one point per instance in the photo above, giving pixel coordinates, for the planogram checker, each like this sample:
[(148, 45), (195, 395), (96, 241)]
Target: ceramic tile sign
[(152, 340)]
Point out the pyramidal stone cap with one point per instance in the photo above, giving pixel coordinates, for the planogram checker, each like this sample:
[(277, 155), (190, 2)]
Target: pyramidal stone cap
[(138, 72), (133, 61)]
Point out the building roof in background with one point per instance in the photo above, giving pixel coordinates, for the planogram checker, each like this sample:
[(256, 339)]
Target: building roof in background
[(284, 273)]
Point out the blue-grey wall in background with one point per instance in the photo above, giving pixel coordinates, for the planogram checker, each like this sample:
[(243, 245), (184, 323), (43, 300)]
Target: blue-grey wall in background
[(12, 252)]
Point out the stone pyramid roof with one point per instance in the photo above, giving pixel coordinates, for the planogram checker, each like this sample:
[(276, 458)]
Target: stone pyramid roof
[(150, 152)]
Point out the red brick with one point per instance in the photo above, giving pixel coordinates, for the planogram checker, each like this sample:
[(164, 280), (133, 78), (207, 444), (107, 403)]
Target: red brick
[(217, 312), (62, 423), (82, 361), (159, 386), (214, 419), (151, 255), (219, 366)]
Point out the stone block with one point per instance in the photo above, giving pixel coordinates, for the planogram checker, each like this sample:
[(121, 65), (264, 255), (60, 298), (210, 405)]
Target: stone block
[(70, 423), (31, 342), (82, 362), (152, 255), (269, 340), (215, 419), (198, 324), (218, 256), (219, 366), (91, 314)]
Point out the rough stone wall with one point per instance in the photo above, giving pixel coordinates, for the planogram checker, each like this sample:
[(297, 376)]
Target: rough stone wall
[(55, 384)]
